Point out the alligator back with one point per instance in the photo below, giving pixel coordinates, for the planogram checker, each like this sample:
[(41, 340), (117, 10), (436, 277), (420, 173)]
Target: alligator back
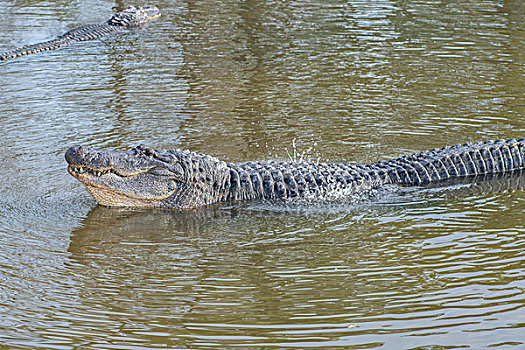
[(491, 157)]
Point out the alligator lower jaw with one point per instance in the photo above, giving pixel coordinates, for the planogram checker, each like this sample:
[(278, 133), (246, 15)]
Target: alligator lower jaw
[(111, 198), (105, 195)]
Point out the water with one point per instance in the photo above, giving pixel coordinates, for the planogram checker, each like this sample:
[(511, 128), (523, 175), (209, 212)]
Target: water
[(432, 268)]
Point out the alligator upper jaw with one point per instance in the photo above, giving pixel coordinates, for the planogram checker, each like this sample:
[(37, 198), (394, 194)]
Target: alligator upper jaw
[(90, 161)]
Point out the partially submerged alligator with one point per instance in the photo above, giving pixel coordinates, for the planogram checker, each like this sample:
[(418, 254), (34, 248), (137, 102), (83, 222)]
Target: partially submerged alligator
[(129, 18), (145, 177)]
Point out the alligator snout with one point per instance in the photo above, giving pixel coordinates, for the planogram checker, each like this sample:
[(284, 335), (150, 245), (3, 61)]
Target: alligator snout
[(81, 156), (72, 154)]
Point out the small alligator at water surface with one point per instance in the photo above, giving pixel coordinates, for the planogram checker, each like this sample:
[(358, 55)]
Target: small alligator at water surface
[(145, 177), (129, 18)]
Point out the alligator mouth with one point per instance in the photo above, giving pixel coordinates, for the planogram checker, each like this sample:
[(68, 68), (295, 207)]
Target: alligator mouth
[(77, 170), (112, 188), (93, 178)]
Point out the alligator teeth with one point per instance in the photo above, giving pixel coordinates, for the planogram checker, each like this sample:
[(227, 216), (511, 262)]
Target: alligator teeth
[(82, 170)]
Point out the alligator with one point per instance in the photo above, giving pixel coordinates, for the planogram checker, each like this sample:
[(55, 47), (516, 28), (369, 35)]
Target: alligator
[(129, 18), (147, 177)]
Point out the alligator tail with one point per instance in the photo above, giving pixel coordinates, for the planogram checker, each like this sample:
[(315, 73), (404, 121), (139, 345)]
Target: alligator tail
[(87, 32), (491, 157)]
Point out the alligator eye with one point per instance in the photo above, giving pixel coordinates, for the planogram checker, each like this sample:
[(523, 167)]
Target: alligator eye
[(148, 152)]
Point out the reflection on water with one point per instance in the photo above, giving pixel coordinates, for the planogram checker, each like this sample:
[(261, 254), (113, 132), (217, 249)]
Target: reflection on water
[(411, 268)]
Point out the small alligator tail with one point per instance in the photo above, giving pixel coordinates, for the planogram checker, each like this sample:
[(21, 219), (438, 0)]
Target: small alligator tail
[(491, 157), (87, 32)]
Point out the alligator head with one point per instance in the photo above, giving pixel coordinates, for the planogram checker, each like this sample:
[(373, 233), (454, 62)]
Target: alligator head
[(134, 16), (145, 177)]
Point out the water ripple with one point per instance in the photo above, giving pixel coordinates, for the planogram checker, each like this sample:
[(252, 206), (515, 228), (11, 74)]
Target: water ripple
[(432, 267)]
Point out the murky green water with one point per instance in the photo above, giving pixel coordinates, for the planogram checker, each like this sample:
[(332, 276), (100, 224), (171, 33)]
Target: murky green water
[(435, 268)]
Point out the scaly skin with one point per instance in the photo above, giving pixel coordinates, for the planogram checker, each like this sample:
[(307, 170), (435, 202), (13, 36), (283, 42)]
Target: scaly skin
[(144, 177), (129, 18)]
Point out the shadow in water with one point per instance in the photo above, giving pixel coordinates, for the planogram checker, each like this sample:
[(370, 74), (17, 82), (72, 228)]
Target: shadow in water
[(107, 227), (479, 185)]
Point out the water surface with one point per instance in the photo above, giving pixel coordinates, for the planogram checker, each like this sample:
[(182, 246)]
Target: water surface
[(432, 268)]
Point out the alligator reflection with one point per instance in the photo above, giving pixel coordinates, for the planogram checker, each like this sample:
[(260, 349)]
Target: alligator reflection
[(190, 235), (137, 262), (480, 185), (108, 228), (162, 263)]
